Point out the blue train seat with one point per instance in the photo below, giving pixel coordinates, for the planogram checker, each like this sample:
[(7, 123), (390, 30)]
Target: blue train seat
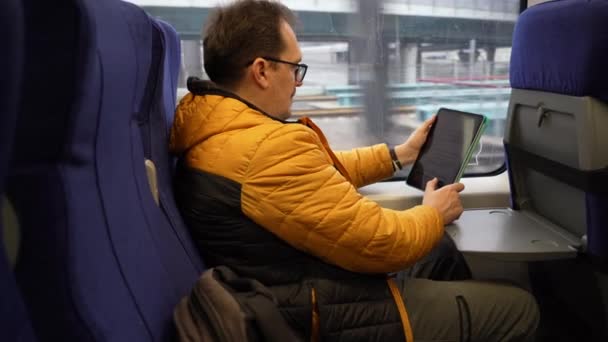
[(557, 136), (159, 162), (556, 144), (555, 140), (14, 320), (102, 260)]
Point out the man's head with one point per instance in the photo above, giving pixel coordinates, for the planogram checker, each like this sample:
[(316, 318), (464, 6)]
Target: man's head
[(251, 49)]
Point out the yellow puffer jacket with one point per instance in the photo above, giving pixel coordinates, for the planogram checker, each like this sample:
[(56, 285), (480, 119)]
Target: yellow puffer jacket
[(296, 188)]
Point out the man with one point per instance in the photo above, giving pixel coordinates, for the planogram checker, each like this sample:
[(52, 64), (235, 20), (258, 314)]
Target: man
[(272, 201)]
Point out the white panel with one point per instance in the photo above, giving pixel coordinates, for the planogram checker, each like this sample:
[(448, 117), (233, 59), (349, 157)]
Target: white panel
[(534, 2)]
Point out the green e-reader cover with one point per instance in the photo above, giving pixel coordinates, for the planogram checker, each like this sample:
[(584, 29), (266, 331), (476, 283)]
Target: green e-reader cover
[(447, 149)]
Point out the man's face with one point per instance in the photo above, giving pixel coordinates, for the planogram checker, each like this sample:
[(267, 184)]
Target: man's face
[(284, 84)]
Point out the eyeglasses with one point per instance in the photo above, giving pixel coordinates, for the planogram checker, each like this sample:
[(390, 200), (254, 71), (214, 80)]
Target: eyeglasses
[(300, 69)]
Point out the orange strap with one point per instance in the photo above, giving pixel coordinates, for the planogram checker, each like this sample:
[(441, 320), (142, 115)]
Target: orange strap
[(405, 321), (315, 333), (308, 123)]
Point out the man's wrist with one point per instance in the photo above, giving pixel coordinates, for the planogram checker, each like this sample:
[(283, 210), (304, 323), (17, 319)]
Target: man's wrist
[(404, 154), (394, 159)]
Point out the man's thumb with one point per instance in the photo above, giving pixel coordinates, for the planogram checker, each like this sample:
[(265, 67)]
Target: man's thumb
[(431, 185)]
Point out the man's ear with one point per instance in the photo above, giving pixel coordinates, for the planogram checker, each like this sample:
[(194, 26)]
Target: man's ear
[(259, 73)]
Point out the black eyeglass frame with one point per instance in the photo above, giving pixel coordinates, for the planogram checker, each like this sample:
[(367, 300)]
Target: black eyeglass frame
[(297, 71)]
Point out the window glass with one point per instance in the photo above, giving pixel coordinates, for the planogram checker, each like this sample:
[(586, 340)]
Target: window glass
[(377, 68)]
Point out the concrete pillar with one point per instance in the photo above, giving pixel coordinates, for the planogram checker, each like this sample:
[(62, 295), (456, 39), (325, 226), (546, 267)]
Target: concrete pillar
[(182, 76), (368, 59), (472, 57), (490, 53), (192, 61), (409, 62), (359, 63)]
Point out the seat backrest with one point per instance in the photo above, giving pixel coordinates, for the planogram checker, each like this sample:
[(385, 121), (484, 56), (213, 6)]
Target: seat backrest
[(158, 125), (14, 321), (101, 260), (172, 59), (557, 127)]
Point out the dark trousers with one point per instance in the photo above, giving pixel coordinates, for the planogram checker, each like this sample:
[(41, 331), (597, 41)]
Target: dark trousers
[(444, 304), (444, 262)]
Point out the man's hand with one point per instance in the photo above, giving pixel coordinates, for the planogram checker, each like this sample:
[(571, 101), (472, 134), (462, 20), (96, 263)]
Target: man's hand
[(446, 200), (409, 150)]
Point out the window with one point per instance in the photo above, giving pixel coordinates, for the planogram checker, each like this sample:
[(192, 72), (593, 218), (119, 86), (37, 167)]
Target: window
[(377, 68)]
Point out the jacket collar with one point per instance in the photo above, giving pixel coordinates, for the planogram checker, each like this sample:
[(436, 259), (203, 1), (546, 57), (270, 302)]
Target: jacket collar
[(202, 87)]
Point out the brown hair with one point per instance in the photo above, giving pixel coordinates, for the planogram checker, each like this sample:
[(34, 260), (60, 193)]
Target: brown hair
[(236, 34)]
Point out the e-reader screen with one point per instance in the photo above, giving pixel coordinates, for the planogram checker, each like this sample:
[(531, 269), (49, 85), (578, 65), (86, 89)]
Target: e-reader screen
[(447, 149)]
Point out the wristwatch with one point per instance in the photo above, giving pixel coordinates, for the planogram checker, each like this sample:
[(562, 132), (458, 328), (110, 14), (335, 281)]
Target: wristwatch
[(396, 163)]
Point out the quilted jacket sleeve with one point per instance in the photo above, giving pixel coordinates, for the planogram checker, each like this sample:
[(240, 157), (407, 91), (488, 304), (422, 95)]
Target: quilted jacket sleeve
[(367, 165), (292, 189)]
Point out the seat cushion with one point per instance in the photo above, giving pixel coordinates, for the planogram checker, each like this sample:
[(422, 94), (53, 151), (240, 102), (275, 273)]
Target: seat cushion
[(562, 47)]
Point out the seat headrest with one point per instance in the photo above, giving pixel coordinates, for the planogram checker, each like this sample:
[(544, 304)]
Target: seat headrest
[(562, 47)]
